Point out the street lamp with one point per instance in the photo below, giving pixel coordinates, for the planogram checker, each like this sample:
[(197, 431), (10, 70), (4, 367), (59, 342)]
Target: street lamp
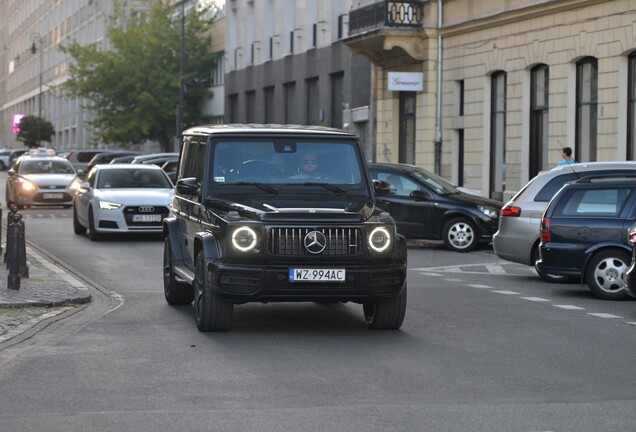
[(37, 37)]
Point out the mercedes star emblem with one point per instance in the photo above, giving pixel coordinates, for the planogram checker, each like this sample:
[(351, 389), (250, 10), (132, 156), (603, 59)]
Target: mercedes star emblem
[(315, 242)]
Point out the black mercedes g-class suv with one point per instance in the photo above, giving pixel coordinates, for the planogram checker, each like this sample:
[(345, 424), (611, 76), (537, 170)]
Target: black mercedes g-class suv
[(265, 213)]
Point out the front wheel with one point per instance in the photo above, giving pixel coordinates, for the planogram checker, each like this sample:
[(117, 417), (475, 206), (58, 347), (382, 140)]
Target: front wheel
[(460, 235), (386, 314), (176, 293), (211, 312), (605, 274)]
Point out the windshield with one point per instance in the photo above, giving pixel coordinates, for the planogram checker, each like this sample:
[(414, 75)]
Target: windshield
[(130, 178), (46, 167), (435, 182), (286, 161)]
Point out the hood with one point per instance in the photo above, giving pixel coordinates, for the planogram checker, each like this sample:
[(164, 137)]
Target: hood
[(136, 196), (475, 199), (276, 208), (49, 179)]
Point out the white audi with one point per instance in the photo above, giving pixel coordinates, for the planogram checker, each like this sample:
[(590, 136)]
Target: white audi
[(122, 198)]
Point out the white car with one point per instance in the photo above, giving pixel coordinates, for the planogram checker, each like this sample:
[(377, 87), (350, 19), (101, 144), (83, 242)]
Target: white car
[(122, 198)]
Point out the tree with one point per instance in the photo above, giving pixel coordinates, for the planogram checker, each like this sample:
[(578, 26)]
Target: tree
[(133, 89), (33, 130)]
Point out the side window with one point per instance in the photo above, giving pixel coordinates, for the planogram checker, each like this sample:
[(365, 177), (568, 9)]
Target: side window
[(185, 156), (553, 186), (596, 202), (400, 185)]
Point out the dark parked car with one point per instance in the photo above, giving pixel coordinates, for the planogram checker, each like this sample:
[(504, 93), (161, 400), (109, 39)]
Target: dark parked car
[(584, 234), (252, 224), (630, 275), (426, 206), (108, 156)]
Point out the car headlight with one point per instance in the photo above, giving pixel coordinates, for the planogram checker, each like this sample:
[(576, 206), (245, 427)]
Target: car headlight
[(75, 185), (244, 239), (380, 239), (27, 185), (105, 205), (489, 211)]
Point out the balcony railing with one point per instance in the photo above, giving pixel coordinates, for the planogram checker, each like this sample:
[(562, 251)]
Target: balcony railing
[(387, 13)]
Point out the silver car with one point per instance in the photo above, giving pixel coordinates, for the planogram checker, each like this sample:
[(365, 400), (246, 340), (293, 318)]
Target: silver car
[(517, 239), (39, 179)]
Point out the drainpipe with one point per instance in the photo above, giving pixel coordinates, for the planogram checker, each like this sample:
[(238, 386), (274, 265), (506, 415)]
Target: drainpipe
[(438, 102)]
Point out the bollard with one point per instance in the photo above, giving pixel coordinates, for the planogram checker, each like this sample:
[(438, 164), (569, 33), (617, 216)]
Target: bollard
[(23, 269), (13, 256), (12, 212)]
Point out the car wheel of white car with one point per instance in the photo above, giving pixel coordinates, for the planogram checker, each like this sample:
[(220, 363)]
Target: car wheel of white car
[(77, 226), (460, 235), (605, 275), (92, 233), (211, 312)]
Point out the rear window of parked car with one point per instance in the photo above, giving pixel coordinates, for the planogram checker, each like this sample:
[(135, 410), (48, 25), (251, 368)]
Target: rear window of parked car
[(596, 202)]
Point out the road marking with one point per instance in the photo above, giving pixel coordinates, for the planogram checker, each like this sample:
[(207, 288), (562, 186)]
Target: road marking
[(604, 315), (431, 274), (631, 323), (536, 299), (569, 307), (495, 269), (453, 280), (480, 286), (505, 292)]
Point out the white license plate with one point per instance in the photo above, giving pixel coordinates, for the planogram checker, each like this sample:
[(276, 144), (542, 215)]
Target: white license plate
[(52, 195), (146, 218), (316, 275)]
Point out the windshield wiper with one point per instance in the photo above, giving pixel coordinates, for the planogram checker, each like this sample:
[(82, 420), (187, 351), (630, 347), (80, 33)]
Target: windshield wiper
[(265, 187), (336, 189)]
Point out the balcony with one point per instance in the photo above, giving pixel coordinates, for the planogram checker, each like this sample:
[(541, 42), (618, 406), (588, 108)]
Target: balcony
[(388, 13), (390, 31)]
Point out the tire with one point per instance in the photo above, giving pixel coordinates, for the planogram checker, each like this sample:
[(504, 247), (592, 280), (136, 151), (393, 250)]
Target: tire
[(460, 235), (77, 226), (211, 313), (386, 314), (605, 274), (92, 233), (176, 292)]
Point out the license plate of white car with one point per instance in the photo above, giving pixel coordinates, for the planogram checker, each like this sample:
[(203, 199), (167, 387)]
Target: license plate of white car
[(316, 275), (146, 218), (52, 196)]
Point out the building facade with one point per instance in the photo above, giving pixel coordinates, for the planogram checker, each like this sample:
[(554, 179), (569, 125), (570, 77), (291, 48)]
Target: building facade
[(519, 80), (33, 67), (286, 63)]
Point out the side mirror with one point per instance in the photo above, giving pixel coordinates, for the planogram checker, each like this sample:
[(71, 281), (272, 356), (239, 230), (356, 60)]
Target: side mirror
[(381, 187), (11, 172), (86, 185), (188, 186), (419, 195)]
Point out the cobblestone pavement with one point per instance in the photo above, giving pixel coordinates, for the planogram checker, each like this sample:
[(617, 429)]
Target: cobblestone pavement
[(49, 290)]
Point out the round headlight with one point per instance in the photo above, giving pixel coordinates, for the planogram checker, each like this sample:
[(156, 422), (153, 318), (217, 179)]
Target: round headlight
[(380, 239), (244, 239)]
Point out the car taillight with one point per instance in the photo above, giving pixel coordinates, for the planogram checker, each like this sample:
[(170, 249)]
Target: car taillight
[(632, 238), (545, 230), (510, 211)]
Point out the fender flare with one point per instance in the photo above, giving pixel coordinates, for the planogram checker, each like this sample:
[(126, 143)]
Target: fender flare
[(171, 233)]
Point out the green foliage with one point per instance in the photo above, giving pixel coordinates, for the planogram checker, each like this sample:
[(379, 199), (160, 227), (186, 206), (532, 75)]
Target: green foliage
[(133, 88), (34, 130)]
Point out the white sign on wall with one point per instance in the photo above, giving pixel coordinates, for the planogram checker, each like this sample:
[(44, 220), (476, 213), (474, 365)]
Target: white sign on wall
[(406, 81)]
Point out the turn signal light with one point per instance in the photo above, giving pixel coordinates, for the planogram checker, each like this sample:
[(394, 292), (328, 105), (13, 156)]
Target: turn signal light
[(632, 238)]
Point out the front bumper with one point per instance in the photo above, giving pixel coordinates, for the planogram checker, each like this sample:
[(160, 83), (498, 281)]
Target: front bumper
[(243, 283), (44, 198)]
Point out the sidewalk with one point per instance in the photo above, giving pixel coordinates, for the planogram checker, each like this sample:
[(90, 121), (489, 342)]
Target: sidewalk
[(48, 291)]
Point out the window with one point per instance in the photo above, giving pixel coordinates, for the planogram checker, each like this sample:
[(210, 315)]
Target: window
[(250, 106), (460, 134), (498, 135), (586, 109), (336, 99), (539, 93), (313, 105), (290, 102), (596, 202), (268, 93)]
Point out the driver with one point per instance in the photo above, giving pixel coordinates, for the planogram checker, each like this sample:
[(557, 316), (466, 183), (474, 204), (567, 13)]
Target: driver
[(308, 168)]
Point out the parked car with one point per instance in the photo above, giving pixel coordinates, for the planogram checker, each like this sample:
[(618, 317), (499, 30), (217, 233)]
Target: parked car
[(107, 156), (121, 198), (170, 167), (258, 231), (146, 157), (517, 238), (584, 233), (123, 159), (426, 206), (41, 179), (4, 159), (80, 158)]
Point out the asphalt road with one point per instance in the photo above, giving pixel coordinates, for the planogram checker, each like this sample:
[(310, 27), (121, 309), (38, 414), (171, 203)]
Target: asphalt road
[(486, 346)]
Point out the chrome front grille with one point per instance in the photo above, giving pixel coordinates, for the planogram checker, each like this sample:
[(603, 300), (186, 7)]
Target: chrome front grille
[(290, 241)]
